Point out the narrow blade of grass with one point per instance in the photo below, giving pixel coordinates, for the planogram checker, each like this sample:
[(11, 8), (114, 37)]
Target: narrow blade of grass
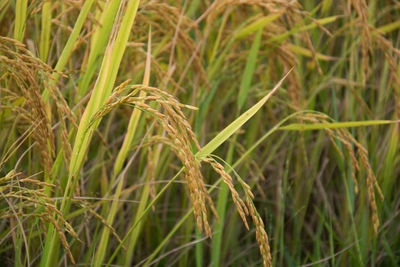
[(44, 45), (333, 125), (20, 19), (236, 124), (257, 25), (249, 70), (98, 44)]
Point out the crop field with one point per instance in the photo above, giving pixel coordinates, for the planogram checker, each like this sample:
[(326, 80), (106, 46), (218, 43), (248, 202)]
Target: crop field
[(199, 133)]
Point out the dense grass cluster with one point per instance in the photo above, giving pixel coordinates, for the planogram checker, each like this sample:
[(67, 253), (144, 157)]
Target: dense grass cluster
[(199, 133)]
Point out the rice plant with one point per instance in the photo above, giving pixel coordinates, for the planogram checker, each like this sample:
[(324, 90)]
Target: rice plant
[(199, 133)]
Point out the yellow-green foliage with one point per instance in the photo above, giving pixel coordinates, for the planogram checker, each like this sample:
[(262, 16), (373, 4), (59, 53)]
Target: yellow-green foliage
[(198, 133)]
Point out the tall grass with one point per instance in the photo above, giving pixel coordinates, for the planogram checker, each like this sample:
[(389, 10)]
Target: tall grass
[(182, 133)]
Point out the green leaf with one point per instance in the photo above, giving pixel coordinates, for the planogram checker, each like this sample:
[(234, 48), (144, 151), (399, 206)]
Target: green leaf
[(333, 125), (249, 70), (257, 25), (236, 124)]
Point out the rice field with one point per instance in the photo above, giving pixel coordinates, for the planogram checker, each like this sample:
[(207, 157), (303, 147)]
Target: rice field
[(199, 133)]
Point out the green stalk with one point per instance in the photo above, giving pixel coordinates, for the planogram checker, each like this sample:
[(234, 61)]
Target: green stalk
[(98, 44), (123, 152), (102, 90), (20, 19), (44, 44), (104, 85)]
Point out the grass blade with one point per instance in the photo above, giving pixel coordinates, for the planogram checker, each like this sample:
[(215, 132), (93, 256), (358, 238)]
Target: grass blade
[(236, 124), (333, 125), (20, 19), (249, 70)]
